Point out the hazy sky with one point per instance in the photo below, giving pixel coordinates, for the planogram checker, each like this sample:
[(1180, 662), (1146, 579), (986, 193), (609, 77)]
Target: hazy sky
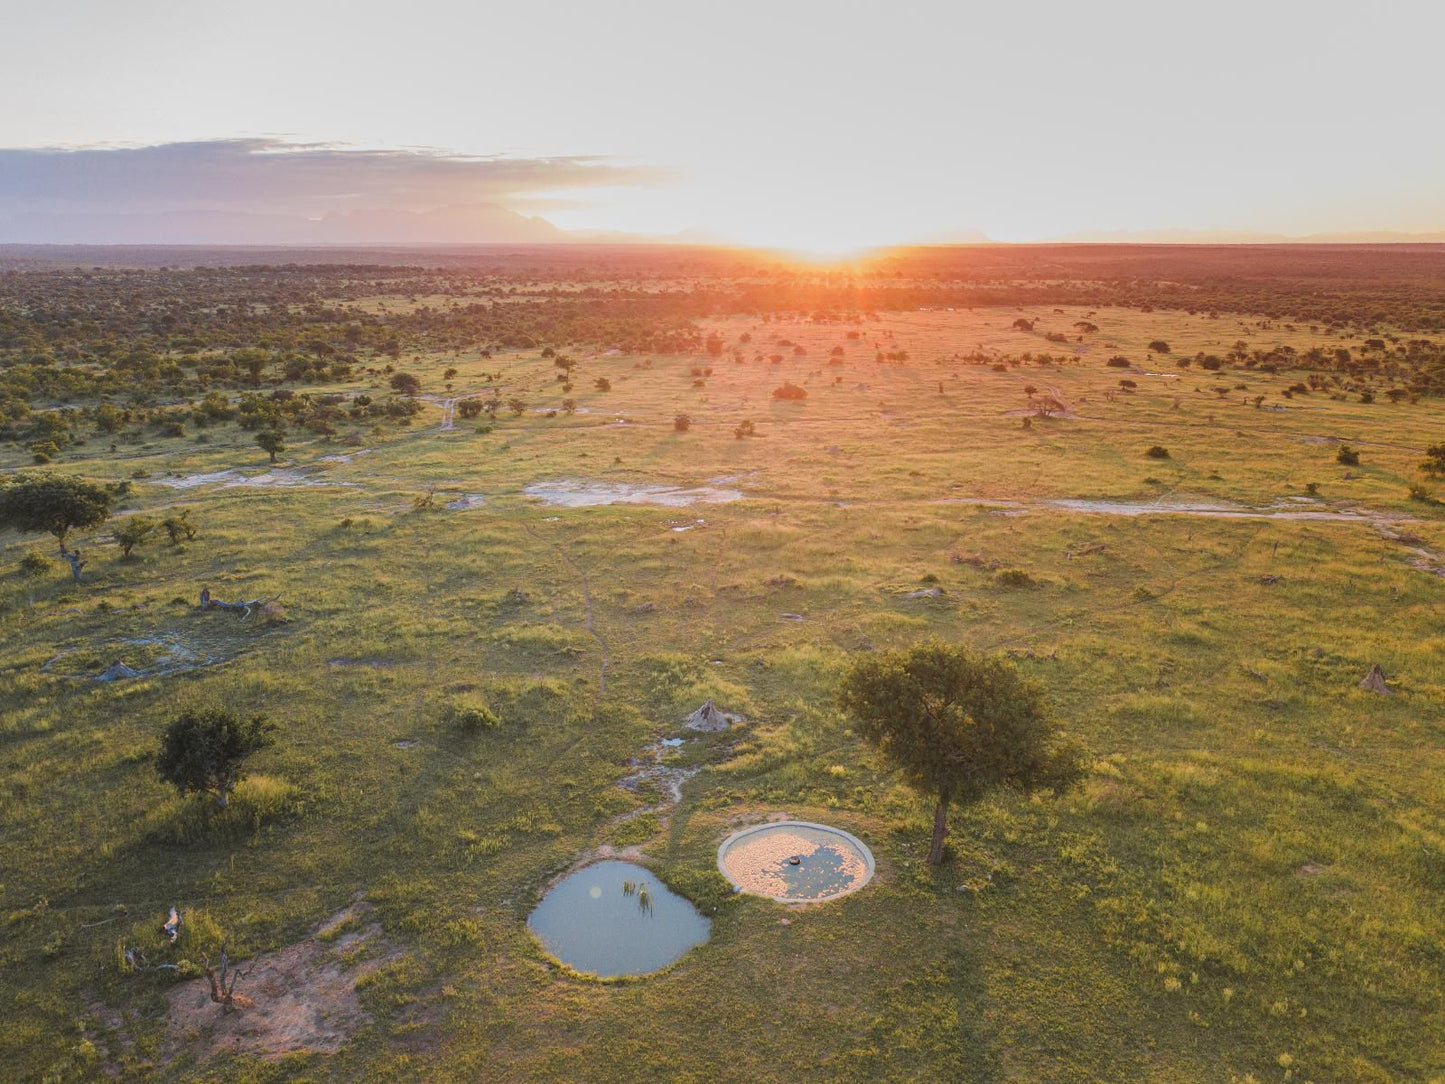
[(792, 123)]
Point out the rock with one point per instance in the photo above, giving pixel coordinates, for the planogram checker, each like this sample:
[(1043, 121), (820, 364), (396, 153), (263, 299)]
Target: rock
[(926, 592), (117, 671), (709, 718), (1374, 681)]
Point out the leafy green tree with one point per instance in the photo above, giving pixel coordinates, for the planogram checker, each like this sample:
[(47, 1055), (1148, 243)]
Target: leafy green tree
[(272, 442), (179, 528), (52, 504), (1434, 464), (204, 750), (959, 725), (132, 532), (406, 383)]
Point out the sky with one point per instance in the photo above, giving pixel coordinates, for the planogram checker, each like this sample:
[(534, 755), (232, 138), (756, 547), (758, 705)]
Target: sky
[(791, 123)]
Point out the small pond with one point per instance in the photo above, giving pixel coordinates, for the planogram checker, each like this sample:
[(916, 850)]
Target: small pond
[(795, 861), (616, 918)]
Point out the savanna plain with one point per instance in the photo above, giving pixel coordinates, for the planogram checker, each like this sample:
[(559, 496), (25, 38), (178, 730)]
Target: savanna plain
[(524, 510)]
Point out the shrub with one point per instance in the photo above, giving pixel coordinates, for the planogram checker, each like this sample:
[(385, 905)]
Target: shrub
[(1015, 577), (744, 428), (602, 384), (1158, 452), (1434, 463), (1159, 346), (179, 528), (789, 390), (35, 564), (1347, 456), (1118, 361), (472, 715), (132, 532), (682, 423)]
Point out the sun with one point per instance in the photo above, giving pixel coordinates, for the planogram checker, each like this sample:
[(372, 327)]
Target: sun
[(825, 255)]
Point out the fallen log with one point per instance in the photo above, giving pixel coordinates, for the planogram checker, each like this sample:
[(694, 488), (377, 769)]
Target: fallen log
[(243, 608)]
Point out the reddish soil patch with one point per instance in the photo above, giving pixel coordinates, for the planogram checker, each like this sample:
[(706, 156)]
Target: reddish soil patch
[(303, 997)]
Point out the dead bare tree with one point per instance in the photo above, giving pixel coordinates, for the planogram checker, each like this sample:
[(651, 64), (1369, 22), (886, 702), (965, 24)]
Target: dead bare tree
[(245, 609), (74, 559), (223, 992)]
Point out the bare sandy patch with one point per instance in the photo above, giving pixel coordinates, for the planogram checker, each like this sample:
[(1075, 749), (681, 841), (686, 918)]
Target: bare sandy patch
[(303, 998)]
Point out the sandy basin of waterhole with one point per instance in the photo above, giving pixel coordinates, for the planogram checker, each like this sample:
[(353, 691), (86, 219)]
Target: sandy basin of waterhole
[(795, 861)]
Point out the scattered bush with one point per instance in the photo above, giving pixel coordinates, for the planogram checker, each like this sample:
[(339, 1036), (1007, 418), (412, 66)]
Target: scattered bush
[(1159, 346), (1158, 451), (1347, 456), (35, 563), (179, 528), (1118, 361), (789, 390), (132, 532), (471, 715), (1015, 577), (682, 423)]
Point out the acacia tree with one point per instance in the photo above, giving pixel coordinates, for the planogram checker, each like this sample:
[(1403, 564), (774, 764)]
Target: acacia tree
[(54, 504), (959, 725), (204, 750), (272, 442)]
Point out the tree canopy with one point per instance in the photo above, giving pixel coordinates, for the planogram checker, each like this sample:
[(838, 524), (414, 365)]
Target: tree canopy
[(52, 504), (959, 725), (203, 750)]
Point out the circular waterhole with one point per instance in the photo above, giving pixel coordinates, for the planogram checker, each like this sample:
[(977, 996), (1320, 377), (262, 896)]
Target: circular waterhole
[(615, 918), (795, 861)]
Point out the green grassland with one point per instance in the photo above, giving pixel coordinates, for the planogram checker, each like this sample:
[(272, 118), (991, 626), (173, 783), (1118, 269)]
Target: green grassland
[(1247, 887)]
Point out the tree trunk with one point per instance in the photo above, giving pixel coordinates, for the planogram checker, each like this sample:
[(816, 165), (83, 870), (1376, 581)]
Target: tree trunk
[(273, 457), (940, 830)]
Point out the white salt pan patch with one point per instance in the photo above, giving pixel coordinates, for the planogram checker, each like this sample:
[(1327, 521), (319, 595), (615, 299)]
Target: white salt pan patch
[(190, 481), (345, 458), (573, 494), (283, 479)]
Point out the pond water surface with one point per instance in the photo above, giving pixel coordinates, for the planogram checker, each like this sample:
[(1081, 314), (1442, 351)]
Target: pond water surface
[(616, 918)]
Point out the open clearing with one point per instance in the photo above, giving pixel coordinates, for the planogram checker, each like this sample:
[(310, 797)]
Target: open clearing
[(1249, 882)]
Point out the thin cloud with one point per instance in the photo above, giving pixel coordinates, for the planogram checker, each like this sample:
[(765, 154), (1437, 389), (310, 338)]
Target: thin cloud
[(270, 176)]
